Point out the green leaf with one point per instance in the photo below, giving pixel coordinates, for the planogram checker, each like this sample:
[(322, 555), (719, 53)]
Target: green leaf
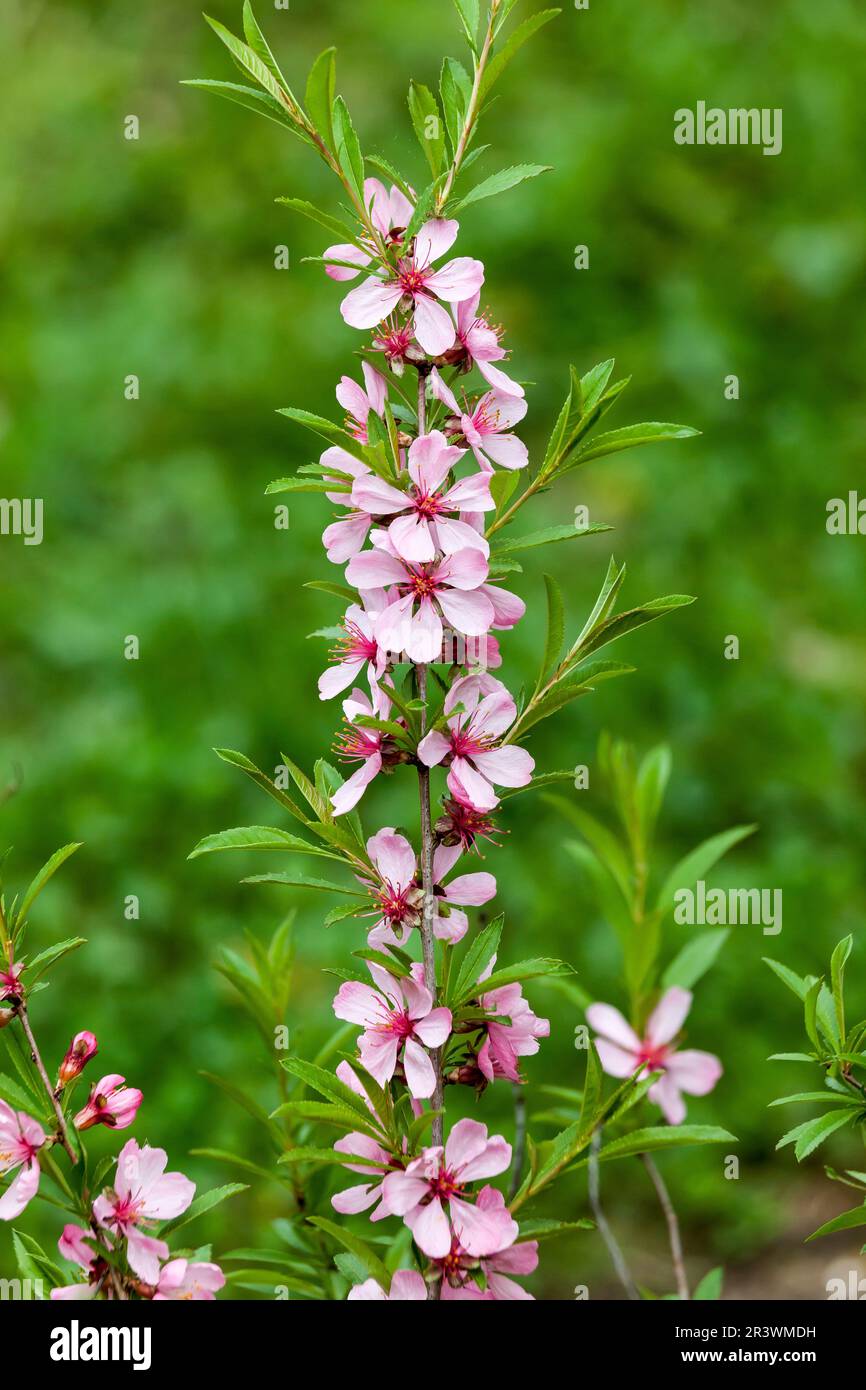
[(249, 97), (291, 880), (819, 1097), (838, 962), (12, 1093), (512, 974), (40, 963), (46, 873), (549, 535), (632, 436), (355, 1246), (795, 983), (321, 86), (258, 837), (698, 862), (603, 843), (848, 1221), (695, 959), (250, 60), (811, 1135), (340, 591), (327, 1158), (482, 949), (328, 1085), (664, 1137), (710, 1286), (455, 89), (652, 781), (521, 34), (347, 148), (428, 124), (502, 182), (339, 229), (622, 623), (259, 44), (542, 1228), (256, 775), (206, 1202), (469, 13)]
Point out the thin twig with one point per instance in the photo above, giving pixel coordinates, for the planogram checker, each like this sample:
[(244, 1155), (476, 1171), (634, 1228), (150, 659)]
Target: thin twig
[(673, 1227), (607, 1235), (471, 110), (63, 1132)]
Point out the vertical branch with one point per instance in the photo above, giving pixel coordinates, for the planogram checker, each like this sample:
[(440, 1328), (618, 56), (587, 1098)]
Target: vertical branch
[(667, 1207), (519, 1154), (472, 108), (428, 937), (604, 1230), (62, 1131)]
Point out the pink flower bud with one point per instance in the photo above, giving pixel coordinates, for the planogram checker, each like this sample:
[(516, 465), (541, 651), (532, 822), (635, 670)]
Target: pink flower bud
[(110, 1103), (11, 988), (78, 1054)]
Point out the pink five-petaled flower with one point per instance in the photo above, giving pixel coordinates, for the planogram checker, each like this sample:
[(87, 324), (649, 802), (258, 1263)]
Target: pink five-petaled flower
[(356, 743), (438, 1178), (479, 342), (458, 1268), (486, 427), (379, 1161), (358, 402), (416, 281), (390, 214), (73, 1246), (188, 1282), (622, 1052), (21, 1138), (110, 1103), (469, 742), (448, 588), (406, 1286), (424, 525), (78, 1054), (508, 1041), (356, 648), (397, 1017), (143, 1192), (399, 897)]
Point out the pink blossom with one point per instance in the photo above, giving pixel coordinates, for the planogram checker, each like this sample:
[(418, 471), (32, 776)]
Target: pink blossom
[(359, 401), (21, 1138), (415, 280), (80, 1051), (425, 522), (622, 1052), (188, 1282), (110, 1103), (406, 1286), (11, 987), (345, 536), (469, 743), (369, 747), (438, 1178), (458, 1268), (390, 214), (397, 1017), (480, 344), (356, 648), (397, 890), (143, 1193), (365, 1195), (510, 1040), (73, 1247), (486, 426), (425, 594)]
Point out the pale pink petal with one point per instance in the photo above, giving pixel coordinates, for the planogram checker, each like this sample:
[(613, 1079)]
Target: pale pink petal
[(375, 569), (468, 613), (345, 251), (457, 280), (497, 379), (696, 1073), (407, 1285), (668, 1016), (394, 858), (424, 638), (338, 678), (429, 1226), (434, 327), (144, 1254), (470, 787), (434, 239), (403, 1192), (351, 792), (21, 1191), (506, 767), (374, 495), (467, 1141), (369, 1291), (358, 1003), (608, 1022), (441, 391), (420, 1076), (371, 302), (665, 1093), (392, 626), (614, 1060), (378, 1054), (471, 890), (344, 538), (482, 1232), (508, 609), (433, 748), (435, 1029), (506, 450), (410, 536)]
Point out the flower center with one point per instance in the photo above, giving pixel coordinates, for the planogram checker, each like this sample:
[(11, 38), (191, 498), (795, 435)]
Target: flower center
[(654, 1058), (412, 280)]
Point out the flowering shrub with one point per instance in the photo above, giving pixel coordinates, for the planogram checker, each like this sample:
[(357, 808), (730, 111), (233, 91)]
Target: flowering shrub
[(429, 479), (122, 1208)]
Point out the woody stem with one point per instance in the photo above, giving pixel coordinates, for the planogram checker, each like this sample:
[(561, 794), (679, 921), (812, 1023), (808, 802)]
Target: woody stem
[(63, 1132)]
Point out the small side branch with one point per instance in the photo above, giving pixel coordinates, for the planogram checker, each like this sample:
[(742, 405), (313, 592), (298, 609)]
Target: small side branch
[(667, 1207), (601, 1221), (62, 1131)]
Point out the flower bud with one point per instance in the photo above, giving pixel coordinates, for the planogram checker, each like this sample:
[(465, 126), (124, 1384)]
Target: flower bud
[(110, 1103), (6, 1016), (11, 988), (78, 1054)]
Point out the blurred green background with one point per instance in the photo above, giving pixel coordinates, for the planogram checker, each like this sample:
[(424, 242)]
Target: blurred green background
[(155, 257)]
